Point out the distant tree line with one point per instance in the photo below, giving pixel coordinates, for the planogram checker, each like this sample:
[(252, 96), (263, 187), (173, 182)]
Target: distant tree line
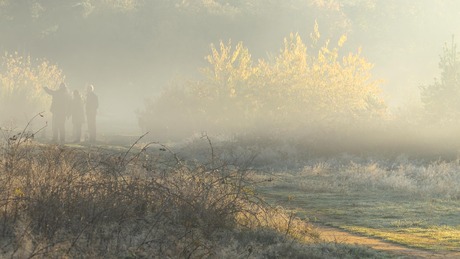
[(146, 41), (125, 42)]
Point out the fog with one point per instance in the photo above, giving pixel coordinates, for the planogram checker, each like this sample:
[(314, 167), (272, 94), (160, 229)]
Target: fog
[(131, 51)]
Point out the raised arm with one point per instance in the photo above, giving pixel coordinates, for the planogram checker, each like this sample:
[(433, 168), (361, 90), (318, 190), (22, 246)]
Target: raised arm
[(48, 91)]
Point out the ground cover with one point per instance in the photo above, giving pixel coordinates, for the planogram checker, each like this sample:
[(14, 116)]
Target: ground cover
[(410, 203), (143, 201)]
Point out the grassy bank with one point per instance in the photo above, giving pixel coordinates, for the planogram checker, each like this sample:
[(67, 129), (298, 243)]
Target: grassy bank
[(410, 202), (142, 201)]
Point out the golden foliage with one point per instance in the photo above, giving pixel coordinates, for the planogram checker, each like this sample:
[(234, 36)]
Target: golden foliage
[(322, 86), (300, 86), (21, 82), (116, 5)]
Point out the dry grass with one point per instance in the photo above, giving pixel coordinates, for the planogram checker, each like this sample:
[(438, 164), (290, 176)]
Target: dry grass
[(67, 202), (142, 201), (407, 200), (64, 201)]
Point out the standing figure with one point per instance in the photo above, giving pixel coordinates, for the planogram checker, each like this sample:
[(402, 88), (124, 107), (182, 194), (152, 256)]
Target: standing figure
[(59, 109), (77, 114), (91, 106)]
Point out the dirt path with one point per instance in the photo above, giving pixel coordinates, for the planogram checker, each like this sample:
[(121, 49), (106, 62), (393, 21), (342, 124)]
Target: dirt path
[(331, 234)]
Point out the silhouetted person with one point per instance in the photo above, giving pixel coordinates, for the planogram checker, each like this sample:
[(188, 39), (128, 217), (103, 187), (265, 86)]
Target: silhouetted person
[(59, 109), (91, 106), (78, 115)]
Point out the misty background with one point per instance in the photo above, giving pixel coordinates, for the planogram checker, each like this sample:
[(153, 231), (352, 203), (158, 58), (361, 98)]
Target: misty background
[(132, 49)]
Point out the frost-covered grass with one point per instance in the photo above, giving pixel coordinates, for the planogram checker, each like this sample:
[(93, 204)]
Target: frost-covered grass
[(410, 201), (143, 201), (404, 197)]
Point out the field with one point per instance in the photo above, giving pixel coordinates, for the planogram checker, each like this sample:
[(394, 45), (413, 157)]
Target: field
[(145, 200), (408, 198), (221, 199), (407, 201)]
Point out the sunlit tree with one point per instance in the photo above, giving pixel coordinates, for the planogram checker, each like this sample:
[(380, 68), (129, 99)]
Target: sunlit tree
[(320, 86), (21, 83), (296, 89)]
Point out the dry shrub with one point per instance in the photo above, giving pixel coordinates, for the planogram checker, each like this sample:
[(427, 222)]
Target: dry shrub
[(63, 202), (92, 202), (281, 221)]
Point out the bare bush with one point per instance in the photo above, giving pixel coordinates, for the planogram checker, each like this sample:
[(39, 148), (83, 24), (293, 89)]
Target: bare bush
[(61, 201)]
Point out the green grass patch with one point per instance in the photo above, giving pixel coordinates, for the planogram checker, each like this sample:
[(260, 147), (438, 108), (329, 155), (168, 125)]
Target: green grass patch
[(395, 215), (433, 238)]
